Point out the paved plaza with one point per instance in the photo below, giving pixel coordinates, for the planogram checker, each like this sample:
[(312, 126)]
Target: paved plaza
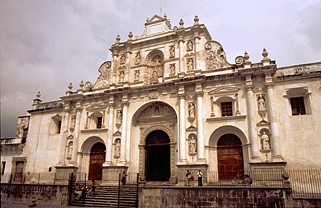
[(15, 204)]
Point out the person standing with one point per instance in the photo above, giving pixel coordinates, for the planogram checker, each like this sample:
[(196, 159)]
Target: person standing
[(93, 187), (124, 177), (200, 178)]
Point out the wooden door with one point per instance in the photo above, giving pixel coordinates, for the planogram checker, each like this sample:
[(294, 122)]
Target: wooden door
[(230, 157), (18, 176), (97, 158)]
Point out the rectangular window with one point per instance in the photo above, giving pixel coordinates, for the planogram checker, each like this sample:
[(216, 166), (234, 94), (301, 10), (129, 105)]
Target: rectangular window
[(297, 106), (226, 109), (99, 122)]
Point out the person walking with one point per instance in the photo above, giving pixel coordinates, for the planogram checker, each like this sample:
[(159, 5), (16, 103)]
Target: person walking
[(199, 178)]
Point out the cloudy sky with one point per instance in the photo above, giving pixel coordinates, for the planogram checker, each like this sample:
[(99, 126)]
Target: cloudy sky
[(45, 44)]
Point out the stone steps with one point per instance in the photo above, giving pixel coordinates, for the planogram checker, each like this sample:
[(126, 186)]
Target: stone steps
[(107, 196)]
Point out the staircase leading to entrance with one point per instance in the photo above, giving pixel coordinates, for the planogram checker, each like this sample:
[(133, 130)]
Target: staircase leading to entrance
[(107, 196)]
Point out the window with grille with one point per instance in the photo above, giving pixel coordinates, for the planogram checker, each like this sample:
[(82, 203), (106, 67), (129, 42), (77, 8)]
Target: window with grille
[(99, 122), (226, 109), (297, 106)]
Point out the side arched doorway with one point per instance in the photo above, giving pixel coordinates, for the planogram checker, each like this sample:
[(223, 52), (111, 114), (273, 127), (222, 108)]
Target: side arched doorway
[(97, 158), (229, 157), (157, 156)]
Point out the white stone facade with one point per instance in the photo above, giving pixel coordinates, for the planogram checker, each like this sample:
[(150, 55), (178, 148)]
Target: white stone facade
[(177, 82)]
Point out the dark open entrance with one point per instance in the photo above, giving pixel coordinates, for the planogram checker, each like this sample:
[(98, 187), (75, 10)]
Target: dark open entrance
[(97, 158), (230, 157), (157, 154)]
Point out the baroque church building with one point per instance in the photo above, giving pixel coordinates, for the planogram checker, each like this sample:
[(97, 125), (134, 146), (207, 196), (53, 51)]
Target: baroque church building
[(169, 102)]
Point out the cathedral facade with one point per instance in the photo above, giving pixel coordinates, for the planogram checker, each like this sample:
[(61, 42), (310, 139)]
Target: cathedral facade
[(169, 102)]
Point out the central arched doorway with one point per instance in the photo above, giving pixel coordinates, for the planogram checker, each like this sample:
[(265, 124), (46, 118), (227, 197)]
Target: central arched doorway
[(97, 158), (229, 157), (157, 156)]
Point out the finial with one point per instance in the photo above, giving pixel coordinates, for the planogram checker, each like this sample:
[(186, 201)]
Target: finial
[(265, 54), (38, 95), (130, 35), (118, 39), (246, 57), (147, 20), (196, 20), (165, 16), (81, 84), (181, 23), (70, 86)]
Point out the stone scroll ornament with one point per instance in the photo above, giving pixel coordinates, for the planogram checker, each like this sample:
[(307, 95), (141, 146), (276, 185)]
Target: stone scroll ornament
[(215, 56), (105, 75)]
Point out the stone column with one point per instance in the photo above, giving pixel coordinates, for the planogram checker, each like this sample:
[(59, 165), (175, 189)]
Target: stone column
[(128, 58), (76, 138), (114, 70), (63, 137), (275, 140), (181, 56), (124, 133), (109, 139), (200, 128), (182, 135), (252, 124), (197, 49)]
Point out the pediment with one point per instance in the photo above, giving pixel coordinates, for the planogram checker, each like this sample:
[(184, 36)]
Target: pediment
[(223, 90), (156, 112), (155, 19)]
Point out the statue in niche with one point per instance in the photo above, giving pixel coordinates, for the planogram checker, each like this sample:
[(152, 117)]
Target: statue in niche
[(192, 145), (211, 60), (190, 64), (171, 51), (118, 118), (261, 103), (69, 149), (121, 76), (189, 45), (265, 141), (157, 60), (117, 148), (122, 59), (73, 122), (156, 111), (137, 58), (172, 69), (191, 110), (136, 74), (154, 77)]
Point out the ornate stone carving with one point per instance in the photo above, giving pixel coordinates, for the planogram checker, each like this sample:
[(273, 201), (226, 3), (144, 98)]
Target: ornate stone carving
[(215, 56), (239, 60), (171, 51), (118, 118), (104, 77), (156, 112), (261, 105), (136, 75), (172, 69), (190, 64), (117, 148), (122, 59), (265, 141), (155, 67), (189, 45), (137, 58), (121, 76), (192, 144)]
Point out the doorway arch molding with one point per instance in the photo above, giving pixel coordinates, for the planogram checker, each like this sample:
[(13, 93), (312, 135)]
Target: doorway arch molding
[(144, 132)]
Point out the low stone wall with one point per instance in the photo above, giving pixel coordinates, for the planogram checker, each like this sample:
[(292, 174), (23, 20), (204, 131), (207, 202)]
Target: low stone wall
[(160, 197), (48, 194)]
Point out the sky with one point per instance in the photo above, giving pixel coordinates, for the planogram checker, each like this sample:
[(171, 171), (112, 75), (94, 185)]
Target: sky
[(46, 44)]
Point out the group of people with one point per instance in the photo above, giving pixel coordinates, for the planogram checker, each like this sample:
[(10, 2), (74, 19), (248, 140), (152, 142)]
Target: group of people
[(190, 177), (83, 191)]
